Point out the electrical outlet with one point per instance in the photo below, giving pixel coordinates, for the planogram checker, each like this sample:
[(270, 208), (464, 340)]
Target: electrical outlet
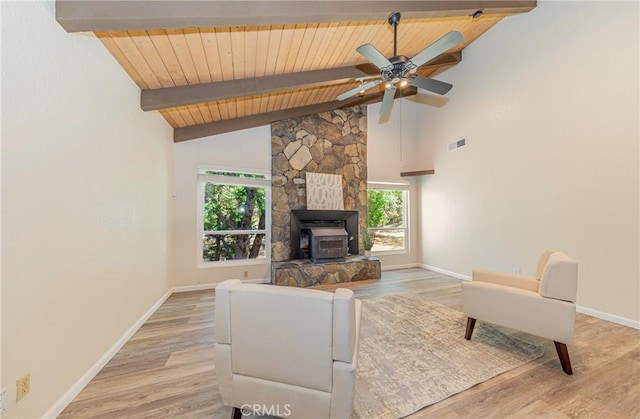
[(22, 386), (517, 271), (245, 274), (3, 400)]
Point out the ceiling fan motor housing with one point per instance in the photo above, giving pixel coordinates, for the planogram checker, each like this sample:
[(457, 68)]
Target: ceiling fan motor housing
[(401, 66)]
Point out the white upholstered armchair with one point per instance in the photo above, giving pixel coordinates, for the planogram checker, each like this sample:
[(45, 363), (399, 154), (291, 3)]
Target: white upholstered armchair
[(542, 306), (286, 351)]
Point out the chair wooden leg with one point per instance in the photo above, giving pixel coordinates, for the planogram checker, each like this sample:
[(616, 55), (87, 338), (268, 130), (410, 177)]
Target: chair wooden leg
[(236, 413), (471, 323), (563, 354)]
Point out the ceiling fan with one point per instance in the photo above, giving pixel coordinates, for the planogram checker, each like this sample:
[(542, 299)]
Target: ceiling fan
[(400, 70)]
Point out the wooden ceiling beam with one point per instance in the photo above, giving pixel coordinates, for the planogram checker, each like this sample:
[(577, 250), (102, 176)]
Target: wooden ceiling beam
[(220, 127), (172, 97), (110, 15)]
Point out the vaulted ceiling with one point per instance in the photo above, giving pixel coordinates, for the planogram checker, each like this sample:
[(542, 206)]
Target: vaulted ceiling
[(216, 66)]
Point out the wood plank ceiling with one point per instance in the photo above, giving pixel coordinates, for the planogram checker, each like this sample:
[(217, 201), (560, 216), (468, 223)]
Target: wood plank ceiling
[(221, 77)]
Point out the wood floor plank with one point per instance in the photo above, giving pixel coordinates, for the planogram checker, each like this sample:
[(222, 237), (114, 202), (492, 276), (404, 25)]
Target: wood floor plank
[(539, 409), (166, 370), (592, 396)]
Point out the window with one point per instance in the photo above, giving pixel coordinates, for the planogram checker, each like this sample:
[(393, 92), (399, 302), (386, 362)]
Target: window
[(234, 210), (387, 209)]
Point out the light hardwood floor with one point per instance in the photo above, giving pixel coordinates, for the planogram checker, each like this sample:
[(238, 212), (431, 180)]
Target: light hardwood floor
[(166, 370)]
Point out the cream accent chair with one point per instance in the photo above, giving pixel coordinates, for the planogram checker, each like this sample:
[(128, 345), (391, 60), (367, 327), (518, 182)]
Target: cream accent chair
[(286, 351), (542, 306)]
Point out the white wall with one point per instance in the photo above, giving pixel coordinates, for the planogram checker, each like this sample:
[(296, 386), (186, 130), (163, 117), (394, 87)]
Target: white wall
[(416, 148), (394, 144), (85, 194), (384, 143), (386, 158), (248, 149), (549, 103)]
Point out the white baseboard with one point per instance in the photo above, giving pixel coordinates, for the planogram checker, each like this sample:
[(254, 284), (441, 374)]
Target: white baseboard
[(79, 385), (609, 317), (445, 272), (580, 309), (212, 285), (405, 266), (199, 287)]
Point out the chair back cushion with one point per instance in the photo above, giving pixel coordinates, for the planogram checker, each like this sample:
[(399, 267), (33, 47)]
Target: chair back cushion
[(282, 334), (559, 278), (542, 262)]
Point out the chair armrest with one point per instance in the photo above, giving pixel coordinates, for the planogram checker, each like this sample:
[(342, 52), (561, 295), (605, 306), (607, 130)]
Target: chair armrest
[(222, 315), (344, 325), (224, 375), (503, 278), (344, 376), (343, 391), (356, 347)]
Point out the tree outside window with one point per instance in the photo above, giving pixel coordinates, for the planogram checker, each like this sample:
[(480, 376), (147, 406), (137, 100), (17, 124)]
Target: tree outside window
[(234, 216), (387, 213)]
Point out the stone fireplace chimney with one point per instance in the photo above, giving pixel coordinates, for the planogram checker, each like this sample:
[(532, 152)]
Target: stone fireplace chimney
[(330, 142)]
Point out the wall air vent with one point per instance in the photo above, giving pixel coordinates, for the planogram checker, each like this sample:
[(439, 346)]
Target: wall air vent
[(457, 144)]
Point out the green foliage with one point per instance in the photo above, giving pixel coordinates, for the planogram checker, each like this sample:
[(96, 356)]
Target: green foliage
[(367, 239), (230, 207), (233, 207), (384, 208)]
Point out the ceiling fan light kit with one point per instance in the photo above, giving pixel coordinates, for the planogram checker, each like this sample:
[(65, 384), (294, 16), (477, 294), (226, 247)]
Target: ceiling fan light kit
[(399, 70)]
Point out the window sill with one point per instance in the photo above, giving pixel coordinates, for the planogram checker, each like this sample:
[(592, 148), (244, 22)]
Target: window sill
[(390, 252)]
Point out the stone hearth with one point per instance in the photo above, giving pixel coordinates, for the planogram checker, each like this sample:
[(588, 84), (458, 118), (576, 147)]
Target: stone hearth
[(304, 273)]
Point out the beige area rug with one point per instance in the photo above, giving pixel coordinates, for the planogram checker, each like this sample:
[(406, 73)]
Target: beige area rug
[(413, 354)]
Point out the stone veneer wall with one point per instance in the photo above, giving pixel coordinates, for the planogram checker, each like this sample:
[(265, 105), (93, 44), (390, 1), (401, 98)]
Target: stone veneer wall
[(330, 142)]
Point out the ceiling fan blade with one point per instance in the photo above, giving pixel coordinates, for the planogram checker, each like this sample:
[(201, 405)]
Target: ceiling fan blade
[(387, 100), (432, 85), (358, 89), (372, 54), (441, 45), (363, 78)]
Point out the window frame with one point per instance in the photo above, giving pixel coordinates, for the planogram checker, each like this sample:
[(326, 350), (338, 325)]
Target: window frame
[(204, 178), (406, 197)]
